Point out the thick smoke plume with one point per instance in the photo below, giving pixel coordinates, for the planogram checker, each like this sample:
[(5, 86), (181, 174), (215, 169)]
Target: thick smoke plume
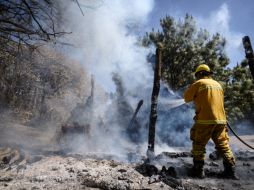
[(107, 45), (106, 40)]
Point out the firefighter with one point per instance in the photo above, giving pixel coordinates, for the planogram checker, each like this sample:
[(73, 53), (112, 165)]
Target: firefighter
[(209, 122)]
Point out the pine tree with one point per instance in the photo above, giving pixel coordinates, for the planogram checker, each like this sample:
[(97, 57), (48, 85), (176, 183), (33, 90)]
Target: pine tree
[(184, 48)]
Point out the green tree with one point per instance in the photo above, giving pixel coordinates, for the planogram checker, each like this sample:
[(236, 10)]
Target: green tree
[(185, 47), (239, 97)]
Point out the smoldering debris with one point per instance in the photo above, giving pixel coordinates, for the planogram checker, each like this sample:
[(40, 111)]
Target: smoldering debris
[(173, 155), (83, 130), (16, 158), (123, 57), (169, 170), (173, 170), (75, 129), (245, 155), (76, 174), (165, 175)]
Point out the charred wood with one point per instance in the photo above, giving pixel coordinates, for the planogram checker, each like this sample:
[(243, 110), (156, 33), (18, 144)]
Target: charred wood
[(174, 155), (140, 103), (154, 100), (125, 112), (249, 53), (75, 129)]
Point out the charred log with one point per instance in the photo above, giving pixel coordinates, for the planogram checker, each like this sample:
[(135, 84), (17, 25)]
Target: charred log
[(134, 127), (125, 112), (174, 155), (75, 129), (69, 133), (140, 103), (168, 176)]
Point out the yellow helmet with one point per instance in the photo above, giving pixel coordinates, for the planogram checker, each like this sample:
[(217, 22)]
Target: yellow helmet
[(203, 67)]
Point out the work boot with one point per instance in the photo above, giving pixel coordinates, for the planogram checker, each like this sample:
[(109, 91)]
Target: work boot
[(197, 171), (229, 172)]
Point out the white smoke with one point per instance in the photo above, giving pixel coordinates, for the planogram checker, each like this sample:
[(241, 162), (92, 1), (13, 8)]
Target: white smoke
[(219, 22), (106, 39), (106, 42)]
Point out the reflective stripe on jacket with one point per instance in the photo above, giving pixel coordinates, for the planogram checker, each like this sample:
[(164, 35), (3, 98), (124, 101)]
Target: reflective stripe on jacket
[(208, 97)]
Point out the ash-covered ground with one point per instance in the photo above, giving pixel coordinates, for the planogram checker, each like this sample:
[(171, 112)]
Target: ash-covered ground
[(48, 166)]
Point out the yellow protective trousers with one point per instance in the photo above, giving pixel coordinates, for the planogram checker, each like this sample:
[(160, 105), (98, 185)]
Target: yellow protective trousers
[(200, 134)]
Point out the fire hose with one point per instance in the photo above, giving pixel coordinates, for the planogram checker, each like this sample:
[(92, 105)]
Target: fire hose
[(177, 103), (251, 147)]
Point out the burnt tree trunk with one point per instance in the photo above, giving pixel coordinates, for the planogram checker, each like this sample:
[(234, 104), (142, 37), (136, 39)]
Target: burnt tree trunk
[(249, 53), (154, 100)]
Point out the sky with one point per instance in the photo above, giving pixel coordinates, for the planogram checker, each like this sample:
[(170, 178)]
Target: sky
[(106, 36), (233, 19)]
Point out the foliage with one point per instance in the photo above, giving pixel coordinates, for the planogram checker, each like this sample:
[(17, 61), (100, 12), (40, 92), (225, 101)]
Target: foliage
[(239, 97), (185, 47)]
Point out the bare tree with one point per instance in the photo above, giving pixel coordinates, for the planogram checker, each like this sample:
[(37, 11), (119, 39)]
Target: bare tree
[(25, 22)]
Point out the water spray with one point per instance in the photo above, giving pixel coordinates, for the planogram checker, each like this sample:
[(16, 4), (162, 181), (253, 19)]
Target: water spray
[(174, 103), (180, 102)]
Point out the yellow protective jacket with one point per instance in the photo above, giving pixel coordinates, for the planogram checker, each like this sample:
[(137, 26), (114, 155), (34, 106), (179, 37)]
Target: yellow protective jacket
[(208, 97)]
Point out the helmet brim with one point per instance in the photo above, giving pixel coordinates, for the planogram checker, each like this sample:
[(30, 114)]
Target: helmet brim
[(207, 72)]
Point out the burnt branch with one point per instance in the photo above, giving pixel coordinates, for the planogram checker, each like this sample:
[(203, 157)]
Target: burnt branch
[(80, 7)]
